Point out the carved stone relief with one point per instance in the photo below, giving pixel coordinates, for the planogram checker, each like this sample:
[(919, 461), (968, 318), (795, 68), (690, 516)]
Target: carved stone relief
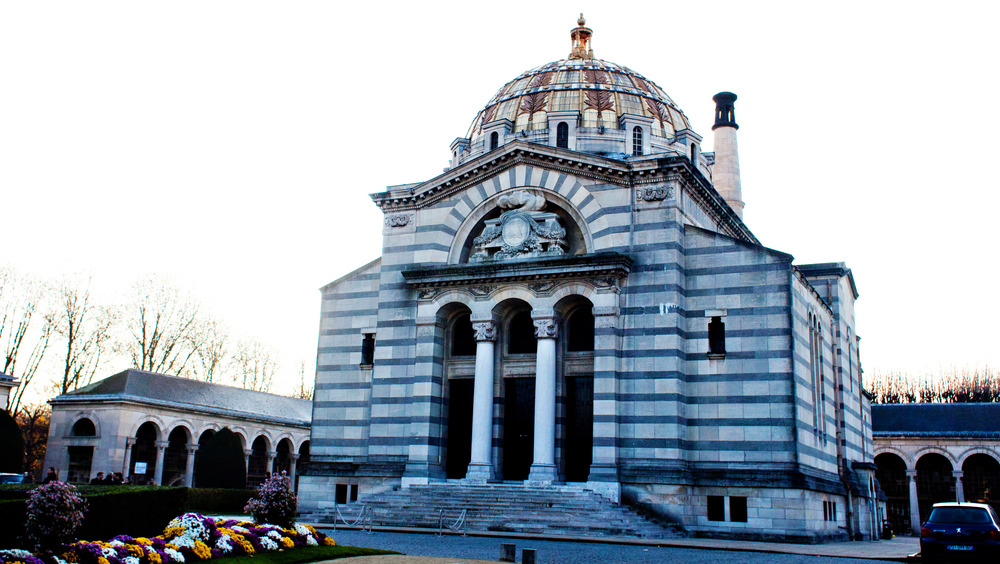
[(655, 193), (521, 231), (485, 330), (482, 290), (428, 293), (545, 328), (399, 220)]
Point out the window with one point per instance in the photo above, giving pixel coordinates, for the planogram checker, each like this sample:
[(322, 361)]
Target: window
[(738, 509), (829, 510), (521, 334), (562, 135), (346, 492), (636, 141), (716, 508), (368, 350), (84, 428), (694, 154), (494, 140), (716, 338)]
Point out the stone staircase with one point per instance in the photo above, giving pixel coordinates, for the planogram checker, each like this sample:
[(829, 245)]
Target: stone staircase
[(513, 508)]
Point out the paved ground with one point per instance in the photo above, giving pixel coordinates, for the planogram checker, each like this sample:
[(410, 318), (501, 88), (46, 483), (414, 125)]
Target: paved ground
[(474, 549)]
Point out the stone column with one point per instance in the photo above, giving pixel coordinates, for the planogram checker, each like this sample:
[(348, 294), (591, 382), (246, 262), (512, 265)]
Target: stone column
[(291, 469), (959, 488), (161, 448), (128, 456), (246, 459), (543, 466), (914, 505), (192, 449), (481, 463), (269, 462)]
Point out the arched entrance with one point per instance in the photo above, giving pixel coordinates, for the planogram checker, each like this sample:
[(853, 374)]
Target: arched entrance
[(283, 457), (577, 430), (518, 347), (891, 475), (935, 482), (203, 440), (460, 366), (981, 479), (257, 469), (81, 456), (175, 457), (142, 466)]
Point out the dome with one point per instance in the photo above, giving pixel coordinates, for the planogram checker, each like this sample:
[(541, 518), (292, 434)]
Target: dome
[(598, 91)]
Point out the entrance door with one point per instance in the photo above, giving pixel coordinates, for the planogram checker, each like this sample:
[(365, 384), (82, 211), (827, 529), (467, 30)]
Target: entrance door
[(518, 427), (459, 439), (579, 427)]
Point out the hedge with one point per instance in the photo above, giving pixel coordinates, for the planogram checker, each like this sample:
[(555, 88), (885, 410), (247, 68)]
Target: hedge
[(129, 510)]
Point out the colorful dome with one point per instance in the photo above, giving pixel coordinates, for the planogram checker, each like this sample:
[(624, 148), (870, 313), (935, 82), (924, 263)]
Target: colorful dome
[(600, 91)]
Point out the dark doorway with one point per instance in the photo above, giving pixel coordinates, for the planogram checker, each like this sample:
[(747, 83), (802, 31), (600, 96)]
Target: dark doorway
[(935, 482), (891, 474), (518, 427), (459, 426), (80, 459), (579, 427)]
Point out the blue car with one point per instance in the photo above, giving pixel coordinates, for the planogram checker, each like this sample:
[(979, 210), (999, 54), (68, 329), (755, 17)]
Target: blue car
[(957, 532)]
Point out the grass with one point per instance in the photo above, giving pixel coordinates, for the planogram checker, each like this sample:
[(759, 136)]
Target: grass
[(304, 554)]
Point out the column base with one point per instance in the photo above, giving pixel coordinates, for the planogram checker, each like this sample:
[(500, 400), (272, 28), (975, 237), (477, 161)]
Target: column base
[(479, 474), (541, 475)]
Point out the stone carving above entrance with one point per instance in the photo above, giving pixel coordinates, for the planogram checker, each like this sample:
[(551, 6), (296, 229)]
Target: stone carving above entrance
[(522, 231)]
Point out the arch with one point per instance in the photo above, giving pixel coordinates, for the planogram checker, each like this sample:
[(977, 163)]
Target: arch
[(283, 456), (155, 420), (981, 477), (84, 427), (483, 198), (935, 482), (977, 450), (575, 388), (890, 471), (175, 456), (457, 356), (920, 453), (258, 468), (302, 466), (206, 435), (562, 135), (904, 456), (142, 465)]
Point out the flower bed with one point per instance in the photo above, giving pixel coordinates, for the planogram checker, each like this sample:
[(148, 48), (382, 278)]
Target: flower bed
[(189, 538)]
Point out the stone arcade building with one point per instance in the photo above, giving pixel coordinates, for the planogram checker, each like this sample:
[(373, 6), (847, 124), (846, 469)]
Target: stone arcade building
[(577, 300)]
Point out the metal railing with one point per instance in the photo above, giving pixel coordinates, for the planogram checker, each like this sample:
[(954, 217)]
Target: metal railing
[(364, 520), (457, 526)]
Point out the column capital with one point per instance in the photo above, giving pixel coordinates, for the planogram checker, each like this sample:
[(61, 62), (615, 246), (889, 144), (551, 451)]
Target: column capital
[(957, 474), (272, 454), (247, 452), (130, 442), (545, 327), (192, 448), (912, 474), (485, 330), (294, 457), (162, 445)]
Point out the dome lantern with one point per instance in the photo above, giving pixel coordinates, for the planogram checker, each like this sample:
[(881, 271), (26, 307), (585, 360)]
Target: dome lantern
[(581, 40)]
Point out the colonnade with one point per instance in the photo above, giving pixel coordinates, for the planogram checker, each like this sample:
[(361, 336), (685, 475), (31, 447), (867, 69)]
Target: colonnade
[(192, 450), (911, 478), (543, 466)]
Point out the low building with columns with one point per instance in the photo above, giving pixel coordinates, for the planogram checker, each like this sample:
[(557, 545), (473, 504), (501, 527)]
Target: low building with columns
[(927, 453), (151, 427), (577, 300)]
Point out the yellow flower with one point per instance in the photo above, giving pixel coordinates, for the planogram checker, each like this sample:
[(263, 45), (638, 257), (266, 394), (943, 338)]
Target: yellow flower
[(201, 550), (69, 556), (155, 558), (102, 560), (328, 541), (172, 532), (143, 540), (134, 550), (287, 542)]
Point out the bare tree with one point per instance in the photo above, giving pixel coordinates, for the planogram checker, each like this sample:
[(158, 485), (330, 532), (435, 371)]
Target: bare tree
[(162, 329), (85, 328), (25, 330), (304, 390), (214, 351), (952, 385), (254, 365), (34, 422)]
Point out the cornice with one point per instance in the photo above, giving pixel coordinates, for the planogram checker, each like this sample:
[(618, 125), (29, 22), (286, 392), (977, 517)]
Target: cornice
[(128, 399), (611, 264)]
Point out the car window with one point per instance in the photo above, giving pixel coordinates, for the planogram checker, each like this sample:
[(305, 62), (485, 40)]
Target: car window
[(960, 515)]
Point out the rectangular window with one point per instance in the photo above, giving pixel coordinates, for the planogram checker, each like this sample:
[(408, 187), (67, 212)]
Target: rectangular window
[(716, 338), (716, 508), (354, 492), (341, 493), (368, 350), (738, 509)]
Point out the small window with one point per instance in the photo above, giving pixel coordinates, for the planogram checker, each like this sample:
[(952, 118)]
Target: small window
[(368, 350), (738, 509), (716, 508), (637, 141), (494, 140), (716, 338), (84, 428), (562, 135), (694, 154)]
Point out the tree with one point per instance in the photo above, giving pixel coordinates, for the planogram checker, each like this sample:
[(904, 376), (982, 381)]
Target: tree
[(34, 422), (214, 351), (304, 391), (221, 462), (953, 385), (25, 329), (11, 445), (254, 365), (162, 329), (85, 328)]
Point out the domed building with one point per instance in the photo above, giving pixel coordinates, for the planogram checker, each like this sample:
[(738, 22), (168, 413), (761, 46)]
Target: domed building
[(576, 305)]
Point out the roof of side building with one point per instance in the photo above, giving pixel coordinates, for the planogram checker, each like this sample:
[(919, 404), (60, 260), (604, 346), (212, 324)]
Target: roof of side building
[(184, 393), (936, 420)]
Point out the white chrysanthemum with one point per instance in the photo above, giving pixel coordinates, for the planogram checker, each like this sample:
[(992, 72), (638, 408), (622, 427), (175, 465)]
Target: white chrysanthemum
[(225, 544), (301, 529), (268, 544), (311, 541), (239, 529), (274, 535), (58, 560), (174, 555), (193, 525), (131, 560), (116, 543), (109, 553), (15, 553)]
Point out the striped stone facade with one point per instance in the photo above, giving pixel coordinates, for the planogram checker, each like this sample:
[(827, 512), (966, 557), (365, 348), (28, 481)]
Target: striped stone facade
[(774, 430)]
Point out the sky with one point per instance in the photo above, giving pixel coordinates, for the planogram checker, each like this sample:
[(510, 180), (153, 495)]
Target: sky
[(230, 146)]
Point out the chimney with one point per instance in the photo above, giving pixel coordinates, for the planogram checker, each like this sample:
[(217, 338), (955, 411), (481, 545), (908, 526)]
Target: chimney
[(726, 170)]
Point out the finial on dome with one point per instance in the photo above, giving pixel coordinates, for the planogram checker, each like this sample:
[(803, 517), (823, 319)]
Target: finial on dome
[(581, 41)]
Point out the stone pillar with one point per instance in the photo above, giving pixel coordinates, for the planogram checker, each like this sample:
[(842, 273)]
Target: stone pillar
[(128, 456), (246, 459), (543, 466), (481, 463), (959, 488), (161, 448), (914, 505), (192, 449), (291, 469), (269, 463)]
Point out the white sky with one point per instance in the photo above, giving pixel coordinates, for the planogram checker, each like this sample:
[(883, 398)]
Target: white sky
[(232, 145)]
